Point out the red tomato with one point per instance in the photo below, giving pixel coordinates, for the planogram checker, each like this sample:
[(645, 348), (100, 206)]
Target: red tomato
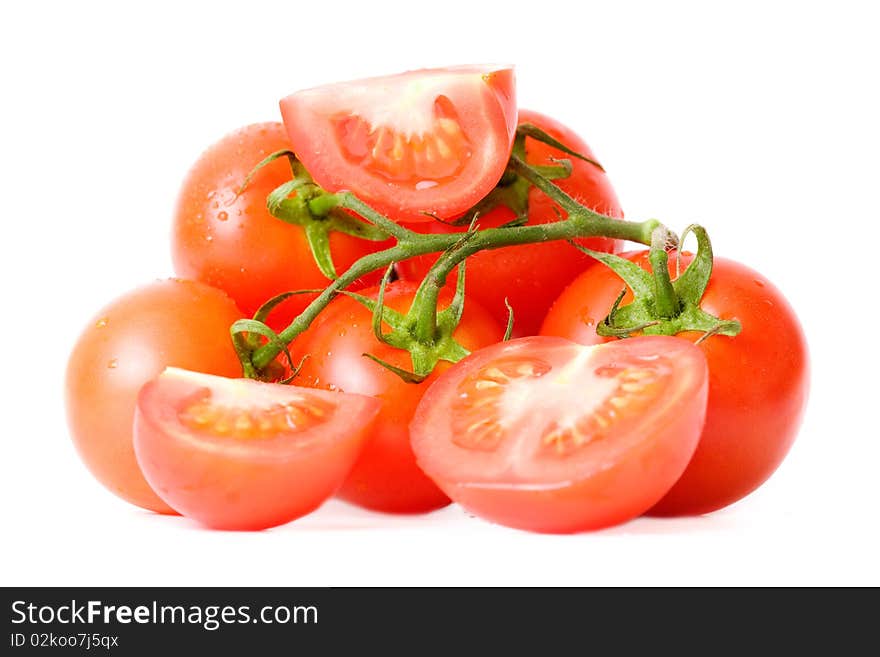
[(386, 477), (130, 341), (241, 454), (424, 141), (758, 380), (547, 435), (531, 276), (233, 243)]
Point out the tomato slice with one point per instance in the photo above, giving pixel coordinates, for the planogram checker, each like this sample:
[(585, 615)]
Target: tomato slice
[(241, 454), (544, 434), (428, 141)]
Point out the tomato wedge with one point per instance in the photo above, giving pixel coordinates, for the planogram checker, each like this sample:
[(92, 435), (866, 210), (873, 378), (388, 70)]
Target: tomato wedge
[(431, 141), (547, 435), (241, 454)]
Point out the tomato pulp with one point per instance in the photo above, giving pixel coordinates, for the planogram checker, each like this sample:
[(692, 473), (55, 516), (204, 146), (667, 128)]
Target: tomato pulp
[(547, 435), (242, 454)]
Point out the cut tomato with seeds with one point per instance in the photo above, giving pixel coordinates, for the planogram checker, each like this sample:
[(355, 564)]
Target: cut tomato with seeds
[(424, 142), (544, 434), (241, 454)]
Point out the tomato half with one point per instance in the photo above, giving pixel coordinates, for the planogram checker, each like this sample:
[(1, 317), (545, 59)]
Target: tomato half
[(241, 454), (758, 380), (531, 276), (386, 477), (433, 140), (230, 241), (547, 435), (130, 341)]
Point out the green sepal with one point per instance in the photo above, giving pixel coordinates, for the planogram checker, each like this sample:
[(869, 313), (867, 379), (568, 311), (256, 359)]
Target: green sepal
[(270, 305), (449, 317), (406, 375), (638, 280), (509, 330), (318, 236), (294, 166), (533, 131), (691, 284), (242, 345)]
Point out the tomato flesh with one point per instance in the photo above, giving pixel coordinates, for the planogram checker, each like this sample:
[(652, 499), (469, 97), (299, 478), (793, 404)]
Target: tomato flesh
[(240, 454), (547, 435), (424, 142)]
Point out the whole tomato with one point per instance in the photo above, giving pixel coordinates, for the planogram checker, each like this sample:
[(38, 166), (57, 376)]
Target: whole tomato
[(127, 343), (229, 240), (758, 380), (531, 276), (385, 477)]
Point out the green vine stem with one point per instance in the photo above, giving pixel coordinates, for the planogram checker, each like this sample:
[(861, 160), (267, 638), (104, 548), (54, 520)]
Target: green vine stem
[(581, 222)]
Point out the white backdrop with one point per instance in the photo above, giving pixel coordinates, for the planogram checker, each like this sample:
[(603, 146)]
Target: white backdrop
[(759, 120)]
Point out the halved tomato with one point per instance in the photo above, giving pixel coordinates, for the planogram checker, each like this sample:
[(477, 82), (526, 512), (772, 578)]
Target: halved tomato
[(241, 454), (428, 141), (547, 435)]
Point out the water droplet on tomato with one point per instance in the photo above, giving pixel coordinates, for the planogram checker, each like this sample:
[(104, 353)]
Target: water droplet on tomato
[(209, 238), (114, 362), (101, 323), (222, 215)]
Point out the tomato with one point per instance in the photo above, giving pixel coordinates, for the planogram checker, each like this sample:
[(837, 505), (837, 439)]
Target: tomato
[(434, 140), (241, 454), (386, 477), (531, 276), (233, 243), (547, 435), (130, 341), (758, 380)]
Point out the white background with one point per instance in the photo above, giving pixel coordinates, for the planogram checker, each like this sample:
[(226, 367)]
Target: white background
[(759, 120)]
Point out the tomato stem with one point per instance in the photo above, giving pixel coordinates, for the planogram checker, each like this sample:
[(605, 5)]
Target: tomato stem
[(665, 299), (581, 222)]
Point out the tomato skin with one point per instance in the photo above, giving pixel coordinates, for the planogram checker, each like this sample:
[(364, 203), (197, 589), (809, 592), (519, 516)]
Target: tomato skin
[(617, 476), (483, 105), (531, 276), (245, 483), (130, 341), (758, 380), (386, 477), (233, 243)]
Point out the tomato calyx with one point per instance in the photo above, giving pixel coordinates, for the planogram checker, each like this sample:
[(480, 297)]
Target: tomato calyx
[(302, 202), (407, 328), (512, 191), (662, 305)]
